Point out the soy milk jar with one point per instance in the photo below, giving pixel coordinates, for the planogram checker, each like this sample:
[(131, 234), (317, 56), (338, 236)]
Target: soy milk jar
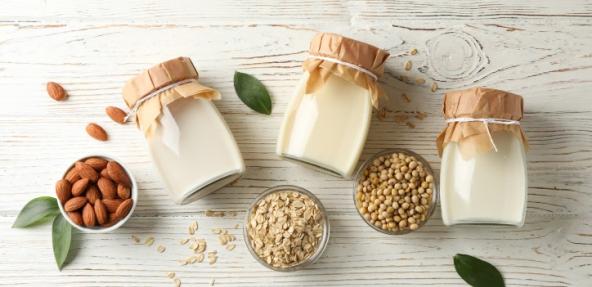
[(483, 176), (327, 121), (191, 146)]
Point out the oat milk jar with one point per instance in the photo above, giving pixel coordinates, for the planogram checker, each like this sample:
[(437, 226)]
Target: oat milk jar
[(327, 121), (483, 176), (189, 141)]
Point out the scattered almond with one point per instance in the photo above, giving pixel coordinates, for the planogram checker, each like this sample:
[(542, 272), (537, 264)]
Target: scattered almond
[(116, 114), (86, 171), (118, 174), (56, 91), (75, 203), (88, 215), (63, 190), (79, 187), (107, 188), (97, 163), (76, 217), (97, 132)]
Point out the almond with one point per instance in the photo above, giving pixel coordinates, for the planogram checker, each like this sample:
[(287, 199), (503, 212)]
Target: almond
[(111, 204), (75, 203), (86, 171), (76, 217), (123, 191), (92, 194), (55, 91), (97, 163), (79, 187), (72, 176), (88, 216), (107, 188), (124, 208), (118, 174), (105, 174), (97, 132), (101, 212), (63, 190), (116, 114)]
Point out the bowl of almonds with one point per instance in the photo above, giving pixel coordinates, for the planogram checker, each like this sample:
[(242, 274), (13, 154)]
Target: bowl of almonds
[(286, 228), (97, 194), (395, 191)]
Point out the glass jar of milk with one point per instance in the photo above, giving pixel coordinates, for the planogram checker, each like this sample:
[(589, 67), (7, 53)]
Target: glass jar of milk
[(327, 121), (189, 141), (483, 178)]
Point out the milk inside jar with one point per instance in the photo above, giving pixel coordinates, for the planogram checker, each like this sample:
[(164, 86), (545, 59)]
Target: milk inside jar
[(191, 146), (327, 121), (483, 175)]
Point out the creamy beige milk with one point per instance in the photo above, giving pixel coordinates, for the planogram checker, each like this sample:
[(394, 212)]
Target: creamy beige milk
[(490, 188), (208, 155), (327, 129)]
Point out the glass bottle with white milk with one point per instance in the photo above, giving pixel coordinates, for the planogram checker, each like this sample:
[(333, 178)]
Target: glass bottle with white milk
[(191, 146), (327, 121), (483, 176)]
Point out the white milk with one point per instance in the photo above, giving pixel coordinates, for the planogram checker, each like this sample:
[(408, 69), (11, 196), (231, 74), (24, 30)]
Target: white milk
[(327, 129), (208, 155), (490, 188)]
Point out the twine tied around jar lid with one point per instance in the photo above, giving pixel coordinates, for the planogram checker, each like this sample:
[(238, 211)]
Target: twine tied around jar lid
[(473, 115), (354, 61), (149, 93)]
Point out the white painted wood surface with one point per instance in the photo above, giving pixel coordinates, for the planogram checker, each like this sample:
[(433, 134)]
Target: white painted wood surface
[(539, 49)]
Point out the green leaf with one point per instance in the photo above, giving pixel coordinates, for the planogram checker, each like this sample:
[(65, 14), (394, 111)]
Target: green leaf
[(37, 211), (476, 272), (61, 235), (252, 92)]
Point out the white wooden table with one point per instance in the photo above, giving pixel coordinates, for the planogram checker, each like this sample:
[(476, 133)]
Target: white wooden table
[(539, 49)]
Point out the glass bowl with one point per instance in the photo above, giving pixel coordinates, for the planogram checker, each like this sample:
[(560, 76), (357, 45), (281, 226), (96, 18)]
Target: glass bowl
[(322, 243), (427, 167)]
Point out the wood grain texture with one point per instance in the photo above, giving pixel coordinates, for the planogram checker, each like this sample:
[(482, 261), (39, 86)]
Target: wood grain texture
[(539, 49)]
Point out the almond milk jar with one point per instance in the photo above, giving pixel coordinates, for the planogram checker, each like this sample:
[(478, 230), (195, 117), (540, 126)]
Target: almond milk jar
[(327, 121), (483, 176), (189, 142)]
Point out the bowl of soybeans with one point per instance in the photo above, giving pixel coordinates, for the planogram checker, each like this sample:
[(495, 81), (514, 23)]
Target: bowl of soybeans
[(395, 191)]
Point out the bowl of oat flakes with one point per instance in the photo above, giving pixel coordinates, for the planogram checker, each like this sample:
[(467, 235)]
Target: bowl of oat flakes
[(286, 228)]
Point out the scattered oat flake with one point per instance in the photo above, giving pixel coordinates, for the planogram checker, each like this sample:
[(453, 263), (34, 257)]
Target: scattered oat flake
[(212, 259), (177, 282), (421, 115), (136, 239), (199, 257), (183, 262), (410, 124), (193, 227), (434, 87), (149, 241), (171, 275), (413, 51), (420, 81), (161, 249), (406, 98), (184, 241), (408, 65), (230, 247)]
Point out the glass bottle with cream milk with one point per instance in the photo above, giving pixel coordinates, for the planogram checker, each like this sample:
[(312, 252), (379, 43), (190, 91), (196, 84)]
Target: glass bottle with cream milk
[(191, 146), (483, 178), (327, 121)]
